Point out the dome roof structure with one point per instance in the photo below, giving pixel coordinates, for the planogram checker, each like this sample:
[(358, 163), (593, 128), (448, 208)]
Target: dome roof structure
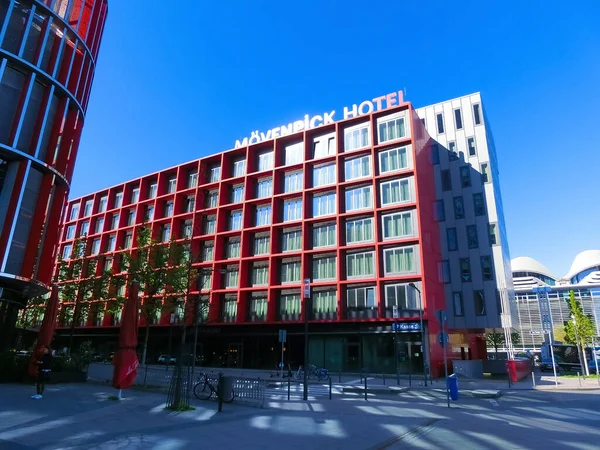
[(584, 261), (527, 264)]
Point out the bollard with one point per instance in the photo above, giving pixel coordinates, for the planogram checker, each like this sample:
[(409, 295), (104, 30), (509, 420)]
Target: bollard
[(365, 388), (509, 380), (579, 379), (329, 388), (397, 377), (533, 379), (289, 385), (340, 375), (409, 379), (384, 379), (220, 393)]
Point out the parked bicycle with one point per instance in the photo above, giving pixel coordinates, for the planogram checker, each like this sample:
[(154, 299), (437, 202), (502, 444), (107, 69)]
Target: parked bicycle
[(205, 388), (313, 373)]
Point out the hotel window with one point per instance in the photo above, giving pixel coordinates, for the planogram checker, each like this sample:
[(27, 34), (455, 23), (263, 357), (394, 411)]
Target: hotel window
[(263, 215), (74, 212), (291, 240), (265, 188), (233, 248), (135, 195), (357, 168), (465, 176), (439, 117), (452, 153), (168, 210), (95, 247), (192, 179), (361, 298), (446, 180), (212, 199), (292, 182), (85, 228), (210, 225), (486, 268), (477, 113), (457, 303), (478, 204), (398, 225), (237, 194), (324, 205), (260, 274), (360, 265), (265, 161), (153, 190), (185, 231), (465, 269), (458, 119), (114, 223), (359, 230), (258, 307), (205, 281), (165, 233), (171, 185), (66, 253), (391, 128), (435, 154), (359, 198), (130, 217), (472, 240), (471, 146), (452, 239), (70, 232), (99, 225), (401, 295), (396, 192), (208, 250), (324, 235), (357, 137), (87, 209), (215, 174), (400, 260), (230, 308), (290, 272), (325, 302), (231, 278), (479, 301), (444, 272), (108, 264), (459, 208), (294, 153), (189, 203), (485, 173), (324, 175), (393, 159), (262, 244), (439, 212), (128, 240), (292, 210), (290, 304), (118, 199), (494, 234), (111, 243), (103, 204), (324, 268), (324, 146), (235, 220), (239, 168)]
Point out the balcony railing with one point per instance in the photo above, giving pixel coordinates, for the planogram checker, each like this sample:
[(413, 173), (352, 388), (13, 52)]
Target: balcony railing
[(324, 315), (253, 317), (289, 317), (361, 313), (229, 319), (402, 313)]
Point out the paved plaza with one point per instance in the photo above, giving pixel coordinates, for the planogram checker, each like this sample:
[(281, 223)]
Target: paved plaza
[(81, 416)]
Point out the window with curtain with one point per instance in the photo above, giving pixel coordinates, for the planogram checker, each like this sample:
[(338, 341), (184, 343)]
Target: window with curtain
[(262, 244), (210, 225), (324, 175), (401, 295), (215, 174), (70, 233), (66, 254), (168, 210), (290, 304), (171, 185), (391, 129), (324, 205), (233, 248), (237, 194), (292, 182), (192, 179), (324, 268), (212, 199), (357, 137), (360, 265), (357, 167), (165, 233), (324, 146), (292, 210), (393, 159), (359, 230), (95, 247), (265, 188), (260, 274), (230, 308), (359, 198), (396, 191), (85, 228), (135, 195), (235, 220), (290, 272), (231, 278), (324, 235), (263, 215), (294, 153), (359, 298), (325, 301), (399, 225), (265, 161), (258, 307), (208, 249), (189, 203), (87, 210), (291, 240), (239, 168), (400, 260)]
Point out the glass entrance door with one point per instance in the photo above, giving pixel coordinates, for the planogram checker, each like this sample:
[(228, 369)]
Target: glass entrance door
[(234, 354)]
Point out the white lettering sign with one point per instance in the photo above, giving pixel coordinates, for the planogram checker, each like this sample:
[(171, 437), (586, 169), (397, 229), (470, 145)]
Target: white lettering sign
[(308, 123)]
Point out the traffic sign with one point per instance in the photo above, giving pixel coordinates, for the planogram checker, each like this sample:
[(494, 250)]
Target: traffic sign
[(395, 312), (441, 315), (306, 287), (443, 339), (282, 336), (406, 326)]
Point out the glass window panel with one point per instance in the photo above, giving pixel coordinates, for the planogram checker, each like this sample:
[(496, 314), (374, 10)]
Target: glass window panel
[(358, 137), (324, 204), (359, 198), (293, 182), (324, 236), (398, 225), (357, 167), (265, 188), (292, 210), (324, 175), (392, 129), (291, 240), (360, 230)]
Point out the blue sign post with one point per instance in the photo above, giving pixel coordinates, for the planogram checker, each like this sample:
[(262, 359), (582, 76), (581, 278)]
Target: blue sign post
[(406, 326)]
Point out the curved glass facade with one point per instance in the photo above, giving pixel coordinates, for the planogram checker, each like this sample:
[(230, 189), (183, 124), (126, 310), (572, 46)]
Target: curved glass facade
[(48, 52)]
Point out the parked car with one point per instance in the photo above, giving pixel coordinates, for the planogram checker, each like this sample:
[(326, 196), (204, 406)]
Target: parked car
[(162, 359), (546, 365)]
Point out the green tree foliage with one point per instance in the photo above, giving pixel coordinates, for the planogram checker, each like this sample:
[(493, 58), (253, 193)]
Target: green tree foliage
[(584, 328), (495, 339)]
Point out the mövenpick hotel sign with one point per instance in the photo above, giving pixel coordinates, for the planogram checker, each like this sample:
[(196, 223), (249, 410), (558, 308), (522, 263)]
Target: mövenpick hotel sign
[(308, 122)]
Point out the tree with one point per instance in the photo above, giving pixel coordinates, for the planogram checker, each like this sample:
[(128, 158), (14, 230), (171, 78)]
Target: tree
[(560, 335), (495, 340), (580, 331), (515, 338)]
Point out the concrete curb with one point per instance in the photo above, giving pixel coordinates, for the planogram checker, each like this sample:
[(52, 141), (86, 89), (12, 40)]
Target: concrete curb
[(486, 393)]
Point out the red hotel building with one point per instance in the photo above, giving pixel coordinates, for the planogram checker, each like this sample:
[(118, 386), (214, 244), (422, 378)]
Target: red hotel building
[(48, 53), (347, 205)]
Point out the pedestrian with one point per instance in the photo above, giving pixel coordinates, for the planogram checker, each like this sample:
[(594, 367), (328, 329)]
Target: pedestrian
[(44, 368)]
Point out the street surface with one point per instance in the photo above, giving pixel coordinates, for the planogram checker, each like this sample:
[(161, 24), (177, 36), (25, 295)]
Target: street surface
[(82, 416)]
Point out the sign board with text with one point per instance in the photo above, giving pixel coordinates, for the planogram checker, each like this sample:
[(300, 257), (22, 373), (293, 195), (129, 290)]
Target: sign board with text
[(406, 326)]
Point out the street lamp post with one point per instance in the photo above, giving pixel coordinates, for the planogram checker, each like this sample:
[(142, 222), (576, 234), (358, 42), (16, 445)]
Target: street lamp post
[(412, 285), (306, 295)]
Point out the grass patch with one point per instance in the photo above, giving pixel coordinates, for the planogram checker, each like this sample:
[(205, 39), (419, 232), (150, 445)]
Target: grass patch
[(181, 408), (574, 375)]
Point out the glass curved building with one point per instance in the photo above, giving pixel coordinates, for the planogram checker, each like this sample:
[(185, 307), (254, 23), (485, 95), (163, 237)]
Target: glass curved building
[(48, 52)]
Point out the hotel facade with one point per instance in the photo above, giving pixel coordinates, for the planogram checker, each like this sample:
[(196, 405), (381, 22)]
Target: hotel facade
[(355, 211)]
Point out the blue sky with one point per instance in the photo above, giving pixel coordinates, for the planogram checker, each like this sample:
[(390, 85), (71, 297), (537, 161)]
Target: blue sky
[(177, 83)]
